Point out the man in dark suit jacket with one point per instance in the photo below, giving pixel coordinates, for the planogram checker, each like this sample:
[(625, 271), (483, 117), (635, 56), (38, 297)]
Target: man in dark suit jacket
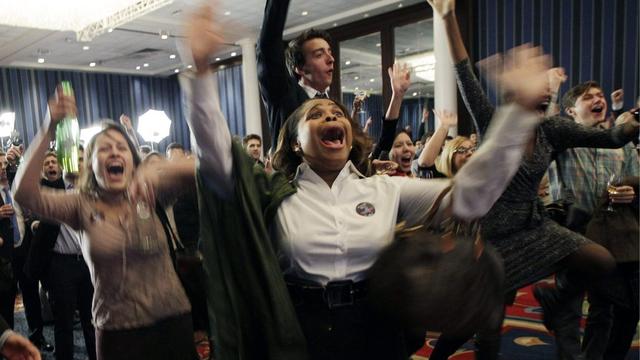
[(9, 233), (306, 73)]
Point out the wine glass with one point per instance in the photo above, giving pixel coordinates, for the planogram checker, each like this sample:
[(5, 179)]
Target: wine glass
[(615, 180)]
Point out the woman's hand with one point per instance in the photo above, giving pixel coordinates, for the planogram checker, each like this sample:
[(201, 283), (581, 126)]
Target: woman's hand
[(522, 74), (442, 7), (400, 76), (447, 119), (61, 106), (203, 36)]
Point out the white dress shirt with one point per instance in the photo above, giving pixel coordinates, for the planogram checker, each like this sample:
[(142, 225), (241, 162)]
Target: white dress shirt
[(319, 229), (311, 92)]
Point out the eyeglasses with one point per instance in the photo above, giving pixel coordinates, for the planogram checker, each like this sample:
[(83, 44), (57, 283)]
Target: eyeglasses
[(464, 150)]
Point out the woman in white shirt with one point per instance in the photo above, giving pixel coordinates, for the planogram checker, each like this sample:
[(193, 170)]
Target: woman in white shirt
[(332, 224)]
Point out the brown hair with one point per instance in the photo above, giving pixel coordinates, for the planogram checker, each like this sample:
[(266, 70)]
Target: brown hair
[(295, 55), (286, 160), (569, 99), (249, 137), (88, 182), (444, 163)]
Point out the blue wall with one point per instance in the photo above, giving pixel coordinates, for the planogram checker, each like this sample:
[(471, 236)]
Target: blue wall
[(592, 39), (98, 96)]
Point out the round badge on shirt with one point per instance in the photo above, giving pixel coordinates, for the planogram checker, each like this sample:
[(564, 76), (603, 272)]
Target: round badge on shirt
[(365, 209)]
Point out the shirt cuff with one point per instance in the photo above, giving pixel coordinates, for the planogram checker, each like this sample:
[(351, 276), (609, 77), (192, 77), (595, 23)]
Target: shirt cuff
[(5, 335), (617, 106)]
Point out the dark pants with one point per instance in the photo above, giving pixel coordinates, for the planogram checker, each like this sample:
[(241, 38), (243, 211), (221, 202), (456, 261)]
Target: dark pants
[(169, 339), (7, 290), (70, 289), (347, 332), (30, 297)]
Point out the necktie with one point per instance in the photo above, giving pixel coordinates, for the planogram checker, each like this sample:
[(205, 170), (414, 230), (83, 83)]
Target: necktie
[(321, 96), (14, 220)]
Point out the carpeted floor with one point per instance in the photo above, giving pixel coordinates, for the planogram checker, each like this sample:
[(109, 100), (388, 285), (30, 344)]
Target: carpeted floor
[(524, 335)]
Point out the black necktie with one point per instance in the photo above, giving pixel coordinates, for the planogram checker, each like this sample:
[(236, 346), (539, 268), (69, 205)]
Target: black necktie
[(321, 96)]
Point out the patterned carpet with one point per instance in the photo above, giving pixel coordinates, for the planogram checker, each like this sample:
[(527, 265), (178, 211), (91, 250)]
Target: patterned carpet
[(524, 335)]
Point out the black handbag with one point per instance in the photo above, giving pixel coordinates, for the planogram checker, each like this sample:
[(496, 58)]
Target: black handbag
[(439, 280)]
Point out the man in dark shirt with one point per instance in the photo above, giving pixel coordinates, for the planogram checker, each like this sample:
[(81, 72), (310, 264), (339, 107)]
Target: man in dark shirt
[(306, 73)]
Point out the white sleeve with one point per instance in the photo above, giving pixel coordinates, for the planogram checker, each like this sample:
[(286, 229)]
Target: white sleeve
[(211, 132), (483, 179)]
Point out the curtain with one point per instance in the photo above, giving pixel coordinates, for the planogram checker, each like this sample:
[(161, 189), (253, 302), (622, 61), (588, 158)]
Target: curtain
[(230, 90), (98, 96), (592, 39)]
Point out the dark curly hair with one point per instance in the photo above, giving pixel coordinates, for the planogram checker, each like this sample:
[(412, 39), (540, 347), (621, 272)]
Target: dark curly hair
[(294, 54), (286, 160)]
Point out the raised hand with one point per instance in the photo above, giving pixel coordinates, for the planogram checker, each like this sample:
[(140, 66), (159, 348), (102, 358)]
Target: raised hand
[(61, 105), (442, 7), (617, 96), (556, 78), (126, 122), (19, 348), (522, 74), (400, 76), (203, 36), (14, 154), (447, 119)]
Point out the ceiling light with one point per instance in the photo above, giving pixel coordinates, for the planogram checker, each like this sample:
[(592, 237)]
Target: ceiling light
[(172, 56), (85, 47), (164, 36), (234, 53), (415, 94), (366, 15), (335, 24), (40, 60), (227, 13), (189, 66), (138, 67), (348, 62), (378, 45), (356, 77), (304, 13), (145, 65), (372, 80), (217, 59), (110, 30), (176, 71), (92, 64), (400, 5), (356, 88)]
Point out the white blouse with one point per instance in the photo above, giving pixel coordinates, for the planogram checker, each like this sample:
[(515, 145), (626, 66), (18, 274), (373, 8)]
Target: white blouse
[(336, 233)]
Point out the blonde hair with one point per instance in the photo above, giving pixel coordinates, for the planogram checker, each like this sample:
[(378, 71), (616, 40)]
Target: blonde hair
[(444, 163)]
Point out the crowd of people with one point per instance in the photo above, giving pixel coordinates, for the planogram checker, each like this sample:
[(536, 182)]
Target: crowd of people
[(222, 252)]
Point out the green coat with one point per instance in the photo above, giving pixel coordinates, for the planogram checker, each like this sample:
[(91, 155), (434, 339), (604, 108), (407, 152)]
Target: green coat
[(250, 310)]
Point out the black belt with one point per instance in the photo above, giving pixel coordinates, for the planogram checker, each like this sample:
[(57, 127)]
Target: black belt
[(334, 295)]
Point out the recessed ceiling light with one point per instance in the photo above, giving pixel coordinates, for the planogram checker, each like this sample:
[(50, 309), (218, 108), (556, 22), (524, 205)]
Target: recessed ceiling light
[(227, 13), (348, 62), (110, 30), (234, 53), (372, 80), (172, 56), (138, 67), (145, 65), (356, 77), (189, 66), (366, 15), (304, 13), (176, 71), (40, 60), (335, 24), (164, 36), (378, 45), (85, 47), (217, 59), (415, 94), (92, 64), (356, 88), (400, 5)]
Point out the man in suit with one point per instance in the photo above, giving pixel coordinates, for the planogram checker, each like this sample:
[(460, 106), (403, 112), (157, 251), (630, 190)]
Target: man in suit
[(306, 73)]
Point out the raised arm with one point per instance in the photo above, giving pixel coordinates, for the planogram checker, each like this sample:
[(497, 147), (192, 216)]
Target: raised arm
[(273, 76), (432, 148), (50, 204), (564, 133), (207, 123), (400, 78), (474, 98)]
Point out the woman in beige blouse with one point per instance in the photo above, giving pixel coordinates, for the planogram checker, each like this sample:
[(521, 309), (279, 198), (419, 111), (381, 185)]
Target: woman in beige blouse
[(140, 309)]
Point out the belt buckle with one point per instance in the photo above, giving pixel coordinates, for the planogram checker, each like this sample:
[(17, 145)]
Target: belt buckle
[(338, 294)]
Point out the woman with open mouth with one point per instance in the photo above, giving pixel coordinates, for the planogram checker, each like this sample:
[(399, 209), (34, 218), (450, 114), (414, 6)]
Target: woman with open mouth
[(402, 153), (140, 309), (287, 255)]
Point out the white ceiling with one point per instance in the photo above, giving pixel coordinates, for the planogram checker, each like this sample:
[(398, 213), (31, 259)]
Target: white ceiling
[(138, 42)]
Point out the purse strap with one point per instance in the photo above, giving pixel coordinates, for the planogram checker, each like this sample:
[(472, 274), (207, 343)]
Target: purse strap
[(172, 239), (436, 204)]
